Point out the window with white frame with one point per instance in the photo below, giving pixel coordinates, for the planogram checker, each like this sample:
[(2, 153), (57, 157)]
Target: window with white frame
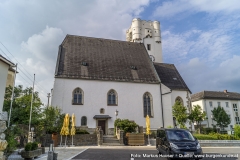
[(237, 120), (219, 103), (235, 109), (227, 104), (210, 104)]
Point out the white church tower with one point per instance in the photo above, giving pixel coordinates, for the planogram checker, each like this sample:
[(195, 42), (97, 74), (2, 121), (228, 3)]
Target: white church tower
[(149, 33)]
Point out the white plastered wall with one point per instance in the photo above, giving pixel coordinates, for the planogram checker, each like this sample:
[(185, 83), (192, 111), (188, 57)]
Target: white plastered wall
[(130, 100)]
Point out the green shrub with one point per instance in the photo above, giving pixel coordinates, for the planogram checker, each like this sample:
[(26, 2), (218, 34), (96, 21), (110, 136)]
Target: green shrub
[(237, 131), (208, 130), (34, 146), (126, 125), (81, 131), (205, 137), (28, 147), (215, 136)]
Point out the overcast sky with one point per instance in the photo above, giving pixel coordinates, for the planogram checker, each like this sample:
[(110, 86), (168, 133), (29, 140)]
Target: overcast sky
[(201, 37)]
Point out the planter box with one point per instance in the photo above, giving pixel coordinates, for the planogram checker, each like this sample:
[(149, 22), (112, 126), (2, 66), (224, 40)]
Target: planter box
[(31, 154), (135, 139)]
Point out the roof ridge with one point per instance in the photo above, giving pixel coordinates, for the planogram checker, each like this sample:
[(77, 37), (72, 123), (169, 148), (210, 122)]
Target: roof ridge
[(68, 35)]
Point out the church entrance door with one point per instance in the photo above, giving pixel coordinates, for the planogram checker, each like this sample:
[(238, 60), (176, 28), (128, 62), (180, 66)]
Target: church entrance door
[(102, 124)]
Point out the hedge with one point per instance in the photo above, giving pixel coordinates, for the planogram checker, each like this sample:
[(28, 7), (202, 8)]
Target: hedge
[(215, 136)]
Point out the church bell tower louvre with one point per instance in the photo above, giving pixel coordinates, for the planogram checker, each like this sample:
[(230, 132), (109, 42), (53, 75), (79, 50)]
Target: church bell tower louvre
[(148, 33)]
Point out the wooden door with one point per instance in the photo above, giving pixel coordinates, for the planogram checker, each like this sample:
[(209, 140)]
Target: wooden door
[(102, 124)]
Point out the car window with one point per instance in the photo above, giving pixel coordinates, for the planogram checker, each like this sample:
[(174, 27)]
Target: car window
[(179, 135)]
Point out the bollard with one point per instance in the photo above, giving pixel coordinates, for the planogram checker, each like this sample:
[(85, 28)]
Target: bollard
[(55, 156), (50, 155)]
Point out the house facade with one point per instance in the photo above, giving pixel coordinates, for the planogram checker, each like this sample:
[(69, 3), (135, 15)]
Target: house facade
[(208, 100), (5, 65), (95, 77)]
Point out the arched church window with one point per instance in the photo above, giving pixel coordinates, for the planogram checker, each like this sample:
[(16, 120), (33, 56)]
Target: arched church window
[(179, 99), (147, 105), (77, 96), (112, 97), (83, 121)]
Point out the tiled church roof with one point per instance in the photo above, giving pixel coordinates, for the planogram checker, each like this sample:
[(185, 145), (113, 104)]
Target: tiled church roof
[(170, 76), (215, 95), (102, 59)]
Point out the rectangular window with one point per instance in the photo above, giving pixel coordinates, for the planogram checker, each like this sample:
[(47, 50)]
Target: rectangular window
[(237, 119), (219, 103), (210, 104), (236, 113), (149, 47), (227, 104), (235, 107)]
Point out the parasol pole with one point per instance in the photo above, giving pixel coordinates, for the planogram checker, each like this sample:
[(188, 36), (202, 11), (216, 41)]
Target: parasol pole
[(72, 140), (65, 141), (61, 141)]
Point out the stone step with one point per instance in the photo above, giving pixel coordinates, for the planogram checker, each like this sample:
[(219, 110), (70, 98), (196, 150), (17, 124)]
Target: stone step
[(112, 144), (107, 136), (111, 141)]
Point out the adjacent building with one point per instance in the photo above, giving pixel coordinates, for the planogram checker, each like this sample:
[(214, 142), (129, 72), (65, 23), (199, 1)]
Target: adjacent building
[(5, 66), (209, 100), (95, 77)]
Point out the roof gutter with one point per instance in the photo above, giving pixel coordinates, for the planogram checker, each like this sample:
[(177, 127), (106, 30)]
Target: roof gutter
[(162, 102)]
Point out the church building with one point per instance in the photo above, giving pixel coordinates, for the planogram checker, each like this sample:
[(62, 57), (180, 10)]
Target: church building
[(96, 77)]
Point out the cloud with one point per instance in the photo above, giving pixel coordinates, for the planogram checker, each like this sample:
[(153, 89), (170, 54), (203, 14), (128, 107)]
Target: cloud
[(37, 28), (176, 7), (44, 45), (201, 76)]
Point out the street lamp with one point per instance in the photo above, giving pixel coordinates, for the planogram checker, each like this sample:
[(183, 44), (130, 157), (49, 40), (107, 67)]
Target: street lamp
[(116, 113)]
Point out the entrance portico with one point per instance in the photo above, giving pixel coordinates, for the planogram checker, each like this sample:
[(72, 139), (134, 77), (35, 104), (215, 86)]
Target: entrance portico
[(102, 121)]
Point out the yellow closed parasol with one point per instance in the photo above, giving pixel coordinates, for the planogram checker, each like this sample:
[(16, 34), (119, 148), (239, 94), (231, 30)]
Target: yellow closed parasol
[(73, 125), (72, 133), (148, 128), (65, 129), (148, 125)]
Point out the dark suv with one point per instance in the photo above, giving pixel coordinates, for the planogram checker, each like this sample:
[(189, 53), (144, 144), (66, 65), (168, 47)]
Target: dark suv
[(177, 143)]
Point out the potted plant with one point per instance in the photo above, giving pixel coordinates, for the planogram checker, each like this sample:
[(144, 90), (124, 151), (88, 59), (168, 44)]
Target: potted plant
[(31, 150)]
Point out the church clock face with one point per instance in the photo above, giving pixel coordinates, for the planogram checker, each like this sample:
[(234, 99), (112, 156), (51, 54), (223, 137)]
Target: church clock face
[(152, 58)]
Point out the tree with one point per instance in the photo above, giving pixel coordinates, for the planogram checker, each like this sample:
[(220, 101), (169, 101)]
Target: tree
[(52, 119), (21, 105), (197, 115), (180, 113), (221, 117)]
